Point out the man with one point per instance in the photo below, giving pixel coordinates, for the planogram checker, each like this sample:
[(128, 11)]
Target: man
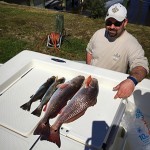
[(114, 48)]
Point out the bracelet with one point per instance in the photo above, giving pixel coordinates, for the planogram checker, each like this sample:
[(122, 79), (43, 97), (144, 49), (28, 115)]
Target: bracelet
[(133, 79)]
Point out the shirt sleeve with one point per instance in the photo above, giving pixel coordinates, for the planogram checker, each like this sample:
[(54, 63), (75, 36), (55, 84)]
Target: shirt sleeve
[(137, 56), (90, 44)]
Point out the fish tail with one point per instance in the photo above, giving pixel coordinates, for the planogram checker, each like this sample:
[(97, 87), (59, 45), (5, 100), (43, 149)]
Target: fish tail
[(42, 129), (26, 106), (53, 137), (37, 111)]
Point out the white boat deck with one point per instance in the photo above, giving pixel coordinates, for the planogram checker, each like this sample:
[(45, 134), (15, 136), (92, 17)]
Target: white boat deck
[(21, 77)]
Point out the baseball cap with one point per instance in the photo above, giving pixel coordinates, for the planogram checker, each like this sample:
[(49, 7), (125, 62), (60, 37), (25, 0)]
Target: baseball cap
[(117, 11)]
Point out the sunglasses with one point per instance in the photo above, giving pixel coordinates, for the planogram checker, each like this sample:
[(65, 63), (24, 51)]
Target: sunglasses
[(117, 23)]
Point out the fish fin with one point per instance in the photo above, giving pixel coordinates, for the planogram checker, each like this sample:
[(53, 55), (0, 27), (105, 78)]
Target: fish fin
[(42, 129), (54, 137), (62, 86), (94, 102), (44, 137), (45, 107), (31, 96), (26, 106), (88, 81), (75, 117), (37, 111)]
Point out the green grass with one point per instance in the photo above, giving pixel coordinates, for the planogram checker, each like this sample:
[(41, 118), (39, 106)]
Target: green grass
[(24, 27), (9, 47), (30, 25)]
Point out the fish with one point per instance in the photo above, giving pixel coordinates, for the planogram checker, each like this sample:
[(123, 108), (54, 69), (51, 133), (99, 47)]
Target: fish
[(58, 100), (39, 93), (76, 107), (48, 95)]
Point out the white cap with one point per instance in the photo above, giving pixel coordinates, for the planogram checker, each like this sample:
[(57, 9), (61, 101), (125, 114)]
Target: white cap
[(117, 11)]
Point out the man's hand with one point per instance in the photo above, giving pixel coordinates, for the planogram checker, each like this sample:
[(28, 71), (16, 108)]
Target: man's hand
[(124, 89), (88, 58)]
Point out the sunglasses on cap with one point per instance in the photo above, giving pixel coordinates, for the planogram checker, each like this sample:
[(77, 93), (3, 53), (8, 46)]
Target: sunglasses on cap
[(117, 23)]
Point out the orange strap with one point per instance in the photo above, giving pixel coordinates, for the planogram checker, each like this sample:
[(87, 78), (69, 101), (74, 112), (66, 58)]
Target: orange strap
[(55, 38)]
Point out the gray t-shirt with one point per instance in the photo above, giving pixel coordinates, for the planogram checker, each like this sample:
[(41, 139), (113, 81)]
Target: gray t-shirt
[(116, 54)]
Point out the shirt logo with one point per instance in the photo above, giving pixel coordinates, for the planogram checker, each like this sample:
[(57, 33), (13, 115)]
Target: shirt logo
[(116, 57)]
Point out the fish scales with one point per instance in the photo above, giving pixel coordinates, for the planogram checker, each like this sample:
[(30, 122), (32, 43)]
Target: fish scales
[(58, 100), (76, 107), (80, 102)]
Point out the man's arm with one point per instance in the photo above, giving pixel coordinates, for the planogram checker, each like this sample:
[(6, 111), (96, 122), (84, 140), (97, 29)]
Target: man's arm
[(88, 58), (139, 73)]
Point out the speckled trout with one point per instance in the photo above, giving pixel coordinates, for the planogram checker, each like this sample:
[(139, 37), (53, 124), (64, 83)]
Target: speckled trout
[(76, 107), (39, 93), (58, 100)]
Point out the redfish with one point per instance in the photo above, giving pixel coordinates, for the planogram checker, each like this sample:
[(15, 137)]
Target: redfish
[(39, 94), (76, 107), (58, 100)]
